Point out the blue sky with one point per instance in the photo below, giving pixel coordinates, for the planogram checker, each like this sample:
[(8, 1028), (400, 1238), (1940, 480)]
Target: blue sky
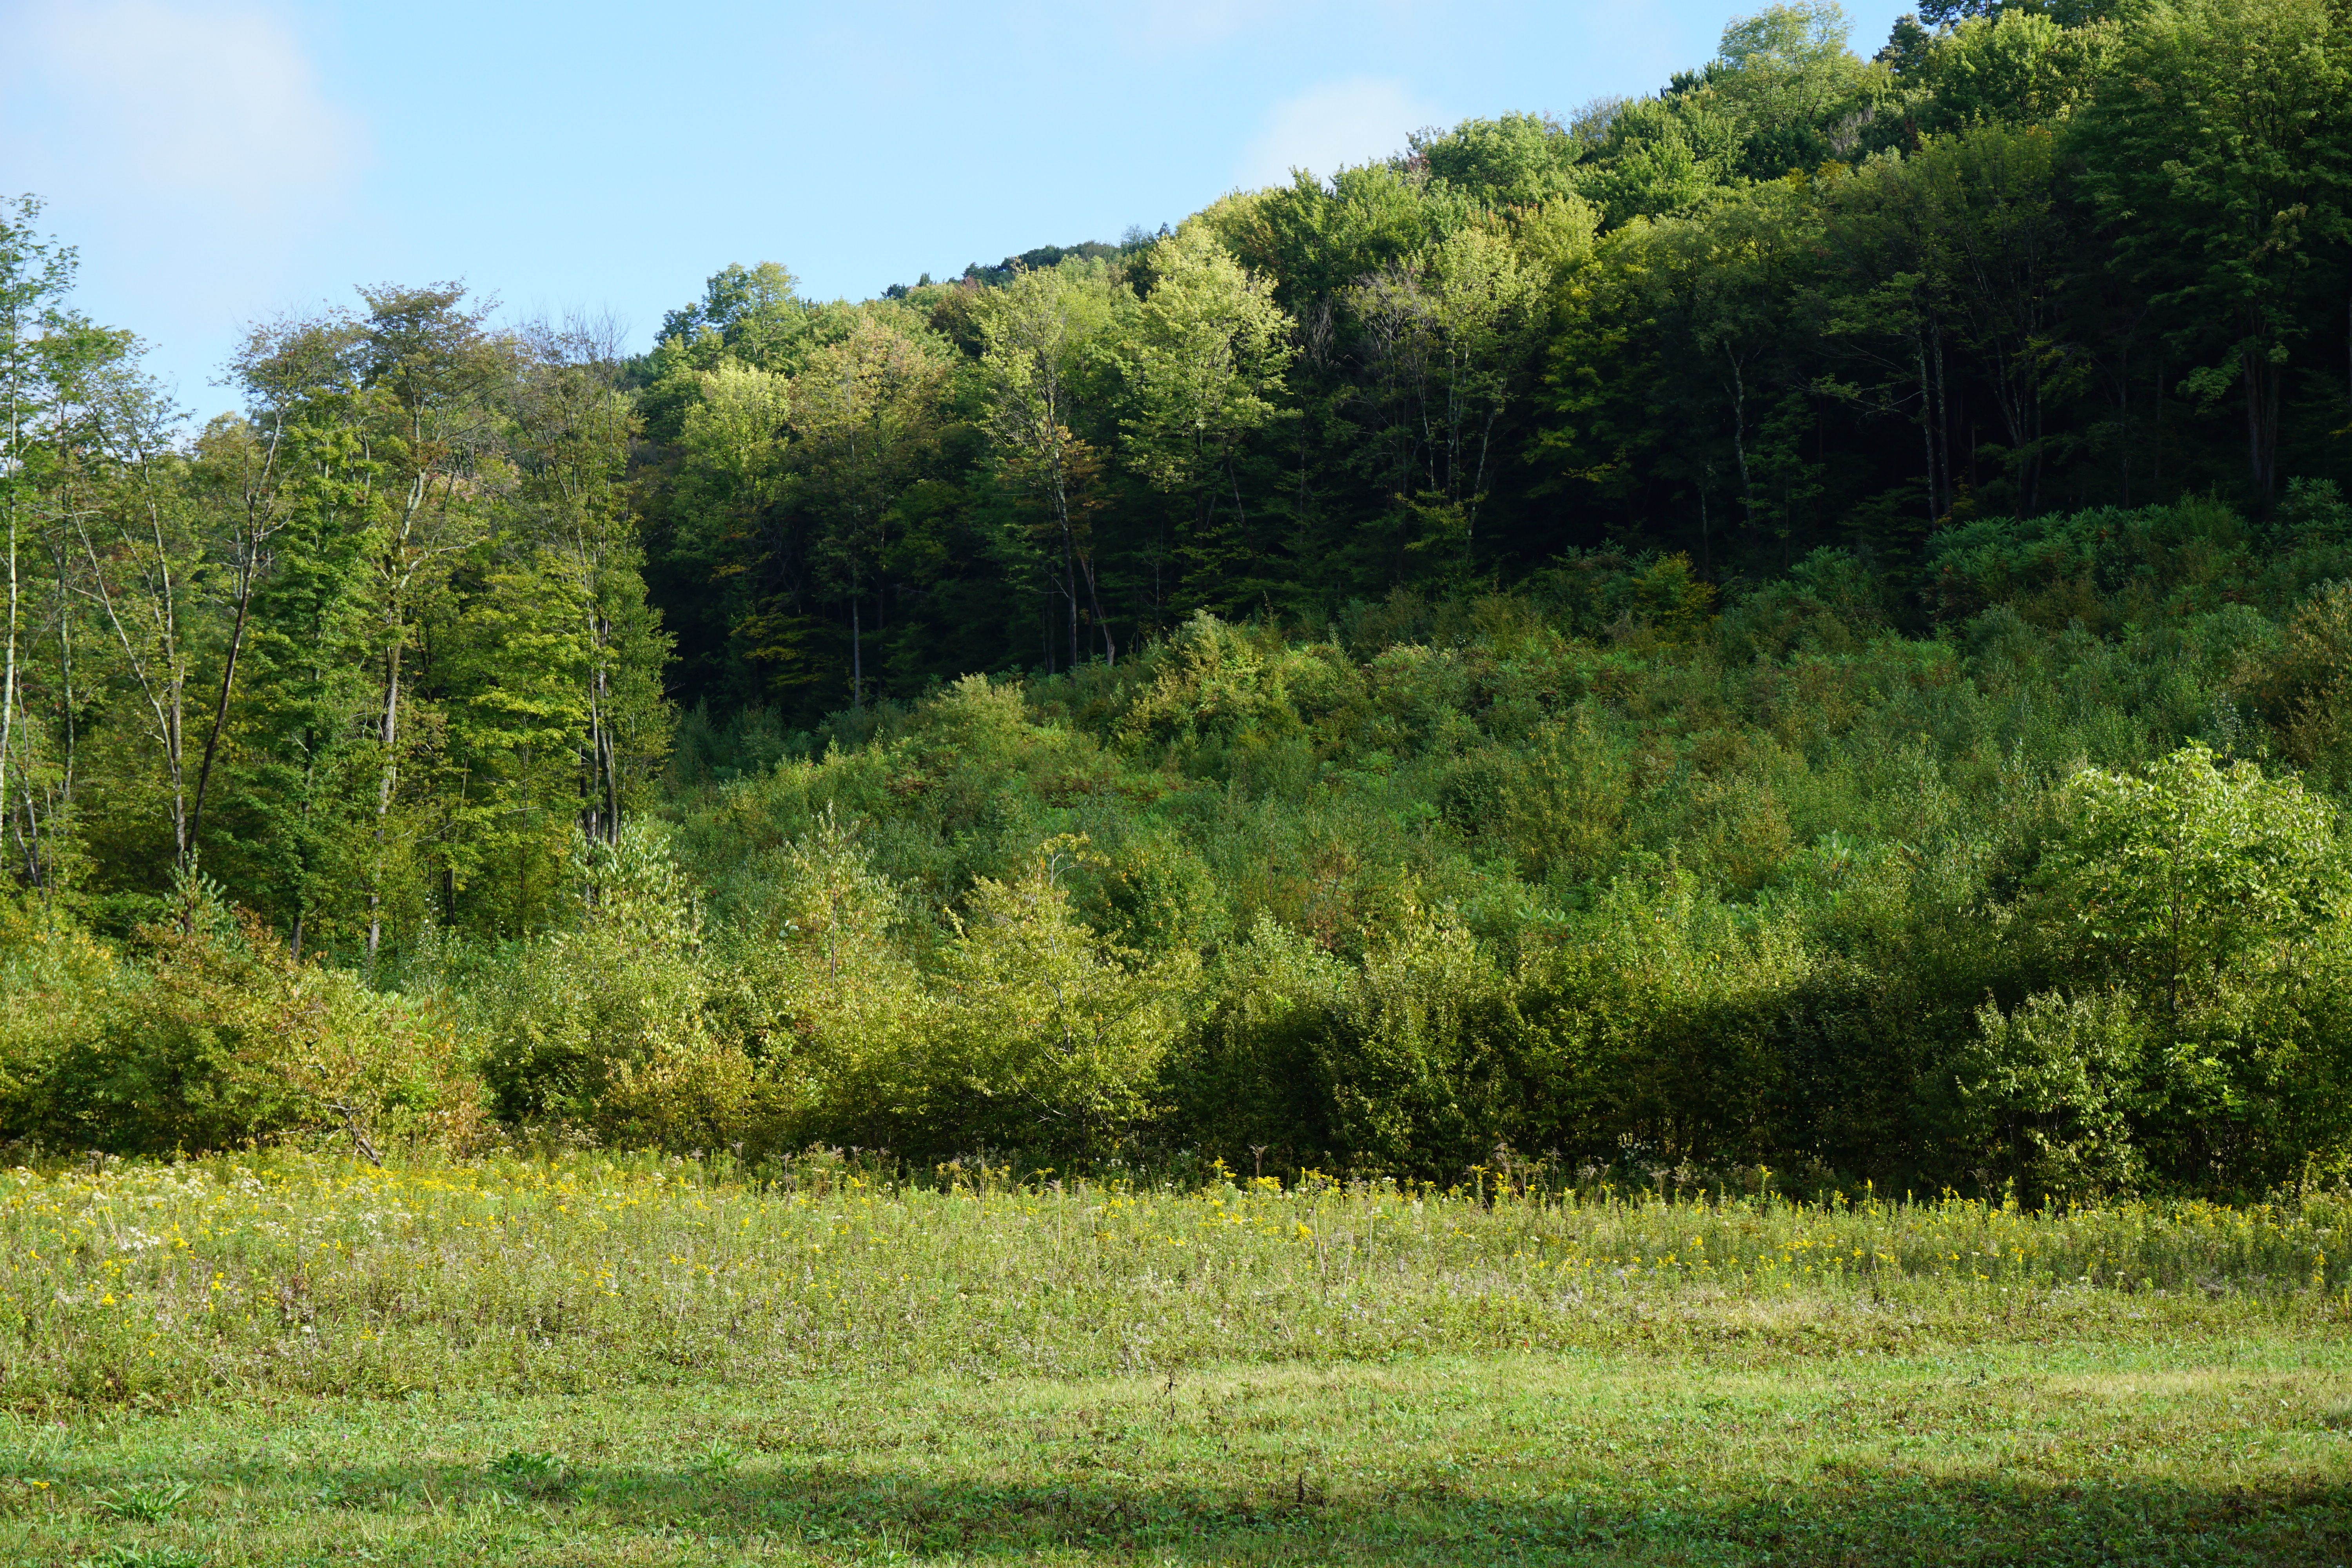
[(218, 161)]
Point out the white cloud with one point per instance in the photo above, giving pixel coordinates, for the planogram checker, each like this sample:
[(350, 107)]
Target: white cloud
[(1192, 23), (189, 149), (203, 102), (1334, 124)]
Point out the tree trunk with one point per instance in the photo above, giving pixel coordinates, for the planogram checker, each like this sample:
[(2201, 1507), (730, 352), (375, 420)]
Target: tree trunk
[(8, 678), (1927, 432), (1943, 419), (220, 708), (2262, 420), (1102, 622), (1740, 437), (388, 735), (1070, 593), (608, 747), (1069, 560)]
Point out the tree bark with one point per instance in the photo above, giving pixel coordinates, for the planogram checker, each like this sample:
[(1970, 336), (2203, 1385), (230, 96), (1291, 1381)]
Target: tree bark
[(1739, 436), (2262, 419), (388, 736), (8, 679), (220, 708), (257, 532)]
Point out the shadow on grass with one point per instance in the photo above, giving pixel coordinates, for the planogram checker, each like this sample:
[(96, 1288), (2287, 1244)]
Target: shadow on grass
[(1844, 1518)]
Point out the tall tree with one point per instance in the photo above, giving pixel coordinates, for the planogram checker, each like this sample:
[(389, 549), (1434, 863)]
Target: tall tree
[(301, 815), (1203, 355), (436, 374), (36, 274), (282, 368), (143, 540), (574, 427), (865, 413), (1039, 335), (1978, 225), (2219, 155), (1447, 334)]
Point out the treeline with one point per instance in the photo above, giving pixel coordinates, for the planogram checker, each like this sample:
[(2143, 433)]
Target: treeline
[(368, 653), (2039, 259), (371, 647), (1798, 621), (1596, 874)]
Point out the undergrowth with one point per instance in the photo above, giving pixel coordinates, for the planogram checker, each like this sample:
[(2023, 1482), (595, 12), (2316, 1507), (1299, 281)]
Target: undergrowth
[(155, 1284)]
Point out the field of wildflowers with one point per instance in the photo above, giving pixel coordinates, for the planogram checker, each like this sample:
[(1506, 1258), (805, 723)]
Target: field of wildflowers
[(160, 1283), (280, 1358)]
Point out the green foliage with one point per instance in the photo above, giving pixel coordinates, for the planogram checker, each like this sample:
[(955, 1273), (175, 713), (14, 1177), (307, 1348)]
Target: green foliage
[(1797, 619), (2305, 687), (1152, 893), (2051, 1086), (816, 981), (1044, 1028), (1794, 300), (2205, 908), (1419, 1059), (2013, 64), (1624, 879), (600, 1026), (1516, 161), (220, 1038), (1251, 1073), (1211, 685), (2179, 882), (2220, 150)]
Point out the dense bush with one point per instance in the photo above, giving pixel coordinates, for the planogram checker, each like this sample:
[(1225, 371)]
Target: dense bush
[(2032, 890), (2050, 888), (214, 1036)]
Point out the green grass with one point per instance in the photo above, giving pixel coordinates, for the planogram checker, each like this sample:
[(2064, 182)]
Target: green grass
[(599, 1361), (2232, 1451)]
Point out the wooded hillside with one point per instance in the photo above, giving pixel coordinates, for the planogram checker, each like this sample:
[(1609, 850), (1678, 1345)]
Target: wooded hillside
[(1796, 621)]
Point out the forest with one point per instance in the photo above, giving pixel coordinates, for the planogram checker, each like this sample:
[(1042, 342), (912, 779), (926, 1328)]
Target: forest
[(1798, 624)]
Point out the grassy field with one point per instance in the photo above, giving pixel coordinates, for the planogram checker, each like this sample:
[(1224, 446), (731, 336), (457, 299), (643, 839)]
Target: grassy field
[(601, 1360)]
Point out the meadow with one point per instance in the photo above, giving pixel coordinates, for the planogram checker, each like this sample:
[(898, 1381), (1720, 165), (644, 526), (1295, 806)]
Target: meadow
[(282, 1357), (1810, 909)]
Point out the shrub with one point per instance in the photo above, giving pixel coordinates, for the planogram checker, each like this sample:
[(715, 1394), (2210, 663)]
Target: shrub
[(1250, 1070), (57, 986), (1214, 685), (2050, 1088), (1424, 1055), (2177, 880), (604, 1027), (815, 982), (2200, 908), (2304, 687), (1046, 1037), (227, 1038), (1151, 894)]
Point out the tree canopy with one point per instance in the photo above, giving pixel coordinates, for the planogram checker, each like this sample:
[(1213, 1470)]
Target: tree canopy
[(1795, 617)]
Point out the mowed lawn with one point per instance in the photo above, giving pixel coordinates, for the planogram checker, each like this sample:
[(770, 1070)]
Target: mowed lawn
[(291, 1362), (2229, 1451)]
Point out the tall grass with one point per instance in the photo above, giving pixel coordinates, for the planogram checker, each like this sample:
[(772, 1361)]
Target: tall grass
[(276, 1271)]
